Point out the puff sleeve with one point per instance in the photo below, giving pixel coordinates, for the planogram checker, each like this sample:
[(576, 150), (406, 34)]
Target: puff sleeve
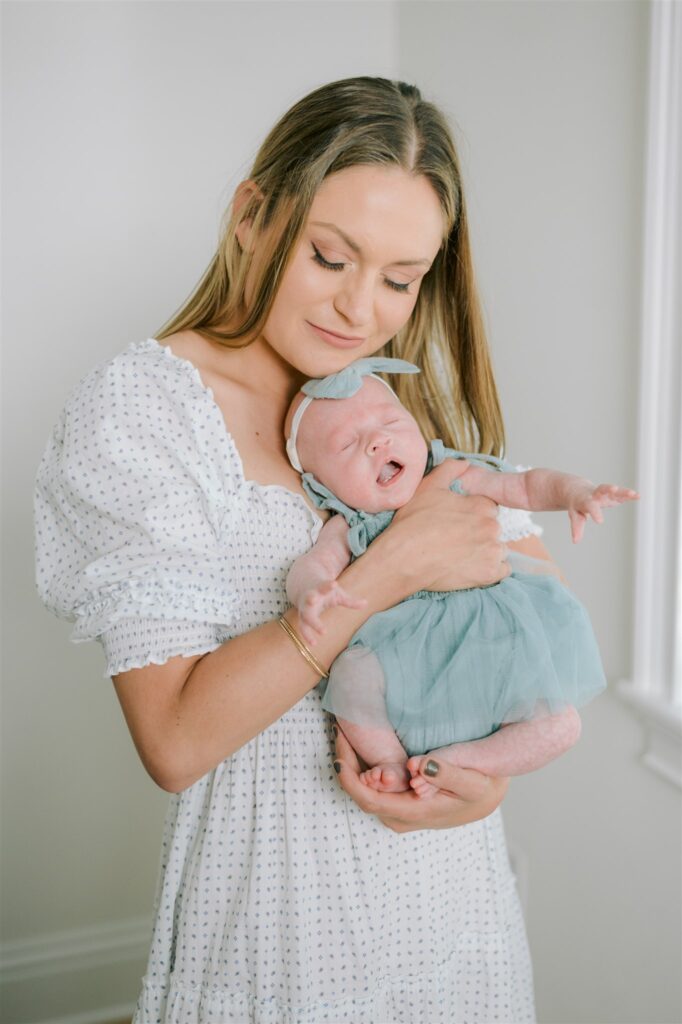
[(132, 505)]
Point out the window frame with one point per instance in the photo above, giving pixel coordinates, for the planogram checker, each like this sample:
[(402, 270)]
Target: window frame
[(654, 690)]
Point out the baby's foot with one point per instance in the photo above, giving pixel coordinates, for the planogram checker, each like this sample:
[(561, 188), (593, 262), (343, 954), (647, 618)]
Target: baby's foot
[(387, 778)]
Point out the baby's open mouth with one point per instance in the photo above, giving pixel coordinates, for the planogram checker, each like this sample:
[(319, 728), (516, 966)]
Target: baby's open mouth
[(390, 472)]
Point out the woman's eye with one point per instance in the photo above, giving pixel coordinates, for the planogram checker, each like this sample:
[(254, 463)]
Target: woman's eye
[(319, 258), (397, 287)]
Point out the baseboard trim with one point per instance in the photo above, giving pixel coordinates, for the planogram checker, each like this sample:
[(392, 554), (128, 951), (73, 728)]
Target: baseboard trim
[(76, 976), (74, 949), (103, 1016)]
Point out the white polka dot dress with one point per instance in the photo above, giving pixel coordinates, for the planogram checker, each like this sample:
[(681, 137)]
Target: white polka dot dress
[(278, 900)]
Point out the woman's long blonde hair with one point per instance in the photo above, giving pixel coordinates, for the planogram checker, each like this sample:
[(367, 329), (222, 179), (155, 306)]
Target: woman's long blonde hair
[(364, 121)]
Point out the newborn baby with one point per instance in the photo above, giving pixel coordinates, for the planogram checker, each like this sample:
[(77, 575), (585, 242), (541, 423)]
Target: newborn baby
[(442, 669)]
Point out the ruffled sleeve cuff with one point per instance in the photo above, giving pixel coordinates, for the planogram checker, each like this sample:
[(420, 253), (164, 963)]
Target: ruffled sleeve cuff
[(517, 523), (136, 642)]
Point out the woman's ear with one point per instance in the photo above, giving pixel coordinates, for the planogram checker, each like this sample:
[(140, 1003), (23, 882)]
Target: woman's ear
[(244, 192)]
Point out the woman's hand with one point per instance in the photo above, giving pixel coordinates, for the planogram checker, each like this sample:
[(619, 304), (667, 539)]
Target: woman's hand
[(441, 540), (464, 795)]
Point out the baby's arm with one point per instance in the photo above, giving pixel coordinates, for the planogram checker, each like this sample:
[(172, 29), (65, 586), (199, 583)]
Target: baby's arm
[(311, 584), (513, 750), (547, 490)]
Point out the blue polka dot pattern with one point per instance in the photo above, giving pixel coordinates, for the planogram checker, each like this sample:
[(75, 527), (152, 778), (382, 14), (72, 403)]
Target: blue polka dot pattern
[(278, 900)]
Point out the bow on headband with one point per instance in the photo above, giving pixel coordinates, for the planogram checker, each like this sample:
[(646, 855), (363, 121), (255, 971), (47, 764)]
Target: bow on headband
[(344, 384)]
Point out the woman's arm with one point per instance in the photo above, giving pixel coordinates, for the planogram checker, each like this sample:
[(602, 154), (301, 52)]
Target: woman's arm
[(189, 714)]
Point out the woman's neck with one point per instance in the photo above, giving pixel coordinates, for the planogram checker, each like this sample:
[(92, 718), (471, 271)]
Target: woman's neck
[(257, 368)]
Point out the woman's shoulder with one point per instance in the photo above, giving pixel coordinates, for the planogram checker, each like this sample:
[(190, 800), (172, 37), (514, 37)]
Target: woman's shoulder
[(142, 419), (144, 402), (142, 366)]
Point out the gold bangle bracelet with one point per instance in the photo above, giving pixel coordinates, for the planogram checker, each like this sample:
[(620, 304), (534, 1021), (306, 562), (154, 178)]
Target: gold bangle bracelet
[(307, 654)]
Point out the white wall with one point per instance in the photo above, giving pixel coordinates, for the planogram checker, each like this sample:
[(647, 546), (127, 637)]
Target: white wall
[(127, 125), (550, 102)]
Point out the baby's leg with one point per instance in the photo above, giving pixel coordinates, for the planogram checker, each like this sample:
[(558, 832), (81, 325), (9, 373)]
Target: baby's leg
[(356, 695), (515, 749), (383, 749)]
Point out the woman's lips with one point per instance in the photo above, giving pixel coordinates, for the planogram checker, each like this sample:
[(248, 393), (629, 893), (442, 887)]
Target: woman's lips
[(336, 339)]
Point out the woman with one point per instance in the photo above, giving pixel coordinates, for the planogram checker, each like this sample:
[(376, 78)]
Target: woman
[(167, 516)]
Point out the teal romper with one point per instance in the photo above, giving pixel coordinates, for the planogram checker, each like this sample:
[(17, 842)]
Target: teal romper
[(459, 664)]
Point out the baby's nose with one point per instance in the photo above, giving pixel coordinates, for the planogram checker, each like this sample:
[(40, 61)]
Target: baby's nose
[(377, 442)]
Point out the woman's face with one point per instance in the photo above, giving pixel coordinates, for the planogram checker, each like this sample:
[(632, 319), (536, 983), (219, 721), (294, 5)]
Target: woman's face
[(371, 235)]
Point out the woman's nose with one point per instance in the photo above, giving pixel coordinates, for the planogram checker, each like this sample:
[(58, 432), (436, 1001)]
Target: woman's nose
[(354, 299)]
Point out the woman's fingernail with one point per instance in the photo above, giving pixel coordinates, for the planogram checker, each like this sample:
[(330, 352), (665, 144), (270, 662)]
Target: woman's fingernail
[(337, 767), (431, 768)]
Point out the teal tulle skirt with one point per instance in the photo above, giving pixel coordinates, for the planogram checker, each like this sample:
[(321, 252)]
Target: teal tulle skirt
[(457, 665)]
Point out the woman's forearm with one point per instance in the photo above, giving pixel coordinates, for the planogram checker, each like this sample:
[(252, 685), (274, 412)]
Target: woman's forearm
[(238, 690)]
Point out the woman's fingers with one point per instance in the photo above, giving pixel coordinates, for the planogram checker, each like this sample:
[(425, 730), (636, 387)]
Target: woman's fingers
[(437, 522), (463, 795), (443, 475), (465, 783), (390, 805), (348, 769)]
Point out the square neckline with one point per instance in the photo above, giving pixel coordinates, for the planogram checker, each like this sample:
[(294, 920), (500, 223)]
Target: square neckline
[(166, 351)]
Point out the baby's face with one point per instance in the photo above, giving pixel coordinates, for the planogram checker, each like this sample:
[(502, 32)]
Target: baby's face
[(368, 449)]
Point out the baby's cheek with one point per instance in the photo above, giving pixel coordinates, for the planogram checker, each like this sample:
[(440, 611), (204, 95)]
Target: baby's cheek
[(359, 490)]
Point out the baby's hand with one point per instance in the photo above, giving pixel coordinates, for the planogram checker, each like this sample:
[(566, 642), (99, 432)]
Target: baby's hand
[(588, 500), (316, 601)]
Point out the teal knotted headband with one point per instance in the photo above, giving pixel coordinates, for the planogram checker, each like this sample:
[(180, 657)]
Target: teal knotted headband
[(343, 384)]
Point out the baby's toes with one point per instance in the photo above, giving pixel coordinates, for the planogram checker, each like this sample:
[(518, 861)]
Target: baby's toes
[(418, 782), (372, 777), (422, 788), (394, 778), (413, 765)]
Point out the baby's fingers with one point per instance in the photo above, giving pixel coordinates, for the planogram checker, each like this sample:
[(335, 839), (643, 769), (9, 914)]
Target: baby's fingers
[(309, 631), (594, 510), (345, 599), (578, 520), (612, 494), (335, 594)]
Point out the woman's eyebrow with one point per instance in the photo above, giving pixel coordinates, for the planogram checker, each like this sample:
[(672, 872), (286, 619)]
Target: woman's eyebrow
[(356, 248)]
